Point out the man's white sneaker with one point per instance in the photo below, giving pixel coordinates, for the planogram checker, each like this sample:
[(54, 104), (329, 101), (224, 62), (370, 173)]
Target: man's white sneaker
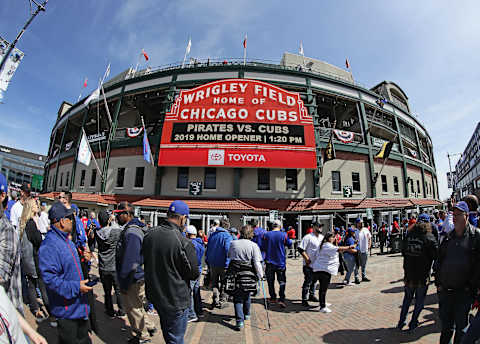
[(325, 310)]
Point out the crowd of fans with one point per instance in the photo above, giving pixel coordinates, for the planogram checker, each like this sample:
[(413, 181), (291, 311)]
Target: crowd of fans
[(49, 256)]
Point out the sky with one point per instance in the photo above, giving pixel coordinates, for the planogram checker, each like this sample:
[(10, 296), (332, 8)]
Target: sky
[(429, 48)]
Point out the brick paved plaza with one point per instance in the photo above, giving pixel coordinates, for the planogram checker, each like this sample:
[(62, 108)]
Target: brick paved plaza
[(365, 313)]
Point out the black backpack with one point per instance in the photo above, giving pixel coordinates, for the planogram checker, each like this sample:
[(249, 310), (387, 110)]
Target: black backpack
[(240, 276)]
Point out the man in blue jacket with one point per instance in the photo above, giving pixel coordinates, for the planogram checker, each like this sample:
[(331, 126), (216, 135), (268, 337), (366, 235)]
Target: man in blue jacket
[(216, 258), (66, 287), (274, 243), (130, 275)]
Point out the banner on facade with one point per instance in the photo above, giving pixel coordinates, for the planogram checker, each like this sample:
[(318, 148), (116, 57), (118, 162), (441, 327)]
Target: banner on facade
[(10, 66), (449, 180), (344, 136), (238, 123)]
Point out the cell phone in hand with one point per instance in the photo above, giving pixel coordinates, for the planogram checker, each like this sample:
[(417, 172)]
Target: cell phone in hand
[(92, 282)]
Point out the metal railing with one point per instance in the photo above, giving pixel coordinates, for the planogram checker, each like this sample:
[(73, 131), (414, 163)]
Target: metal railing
[(231, 61)]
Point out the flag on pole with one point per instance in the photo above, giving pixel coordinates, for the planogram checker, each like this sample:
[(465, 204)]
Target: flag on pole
[(145, 55), (245, 42), (347, 64), (300, 51), (84, 152), (94, 96), (147, 154), (385, 150), (245, 50), (189, 46), (85, 82)]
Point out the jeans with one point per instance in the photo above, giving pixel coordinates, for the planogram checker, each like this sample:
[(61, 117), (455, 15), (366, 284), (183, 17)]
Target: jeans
[(308, 288), (241, 302), (217, 276), (419, 294), (270, 271), (473, 332), (363, 257), (350, 261), (196, 300), (73, 331), (109, 281), (453, 308), (173, 326), (324, 278)]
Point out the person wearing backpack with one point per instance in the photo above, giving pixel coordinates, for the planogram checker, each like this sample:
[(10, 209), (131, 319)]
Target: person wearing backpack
[(419, 250), (246, 264), (130, 274), (457, 274)]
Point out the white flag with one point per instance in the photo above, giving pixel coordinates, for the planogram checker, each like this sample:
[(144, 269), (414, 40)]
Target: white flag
[(94, 96), (301, 48), (189, 45), (84, 152)]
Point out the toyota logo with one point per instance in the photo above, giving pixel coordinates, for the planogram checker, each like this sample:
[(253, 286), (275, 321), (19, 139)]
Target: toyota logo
[(215, 156)]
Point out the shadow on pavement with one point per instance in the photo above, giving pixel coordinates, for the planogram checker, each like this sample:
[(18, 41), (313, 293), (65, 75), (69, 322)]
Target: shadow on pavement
[(221, 319), (379, 335), (292, 306), (398, 289)]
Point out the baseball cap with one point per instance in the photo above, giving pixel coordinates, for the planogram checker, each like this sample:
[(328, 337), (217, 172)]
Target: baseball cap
[(316, 223), (424, 217), (351, 230), (3, 183), (337, 229), (277, 223), (191, 229), (233, 230), (58, 211), (462, 206), (123, 207), (216, 222), (179, 207), (358, 220)]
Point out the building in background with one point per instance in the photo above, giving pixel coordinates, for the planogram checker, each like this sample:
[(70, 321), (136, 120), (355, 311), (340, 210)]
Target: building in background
[(20, 167), (241, 140), (467, 169)]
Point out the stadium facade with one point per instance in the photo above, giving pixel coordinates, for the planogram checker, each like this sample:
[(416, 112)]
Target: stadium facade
[(244, 139)]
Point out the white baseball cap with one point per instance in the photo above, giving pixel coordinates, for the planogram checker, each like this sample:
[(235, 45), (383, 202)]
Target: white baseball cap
[(191, 229)]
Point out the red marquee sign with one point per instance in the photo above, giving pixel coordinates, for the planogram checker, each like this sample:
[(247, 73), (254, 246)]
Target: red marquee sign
[(238, 123)]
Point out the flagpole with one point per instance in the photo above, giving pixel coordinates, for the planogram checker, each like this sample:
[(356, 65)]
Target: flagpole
[(245, 51), (145, 133), (385, 160), (106, 106), (91, 152)]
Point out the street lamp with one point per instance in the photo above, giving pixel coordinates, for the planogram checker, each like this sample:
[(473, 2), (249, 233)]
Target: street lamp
[(40, 7)]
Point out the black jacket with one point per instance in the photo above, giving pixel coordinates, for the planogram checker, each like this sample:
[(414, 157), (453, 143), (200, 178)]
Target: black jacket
[(419, 250), (170, 263), (472, 276)]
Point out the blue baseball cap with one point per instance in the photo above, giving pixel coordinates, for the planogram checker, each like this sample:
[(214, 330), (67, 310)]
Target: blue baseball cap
[(351, 230), (424, 217), (58, 211), (179, 207), (358, 220), (462, 206), (337, 229), (3, 183)]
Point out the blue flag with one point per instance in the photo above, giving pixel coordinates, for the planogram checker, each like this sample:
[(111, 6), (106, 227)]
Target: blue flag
[(146, 148)]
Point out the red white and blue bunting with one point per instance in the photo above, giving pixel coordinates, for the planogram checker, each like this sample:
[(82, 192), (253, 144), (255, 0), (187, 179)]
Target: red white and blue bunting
[(134, 132), (412, 152), (344, 136)]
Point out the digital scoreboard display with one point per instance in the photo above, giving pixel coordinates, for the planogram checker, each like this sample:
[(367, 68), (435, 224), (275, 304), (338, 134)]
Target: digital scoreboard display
[(238, 123)]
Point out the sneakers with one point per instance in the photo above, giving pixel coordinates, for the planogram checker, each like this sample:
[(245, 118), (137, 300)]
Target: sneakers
[(193, 319), (247, 317), (305, 303), (325, 310), (365, 279), (312, 298), (349, 283), (240, 326), (357, 281), (282, 304)]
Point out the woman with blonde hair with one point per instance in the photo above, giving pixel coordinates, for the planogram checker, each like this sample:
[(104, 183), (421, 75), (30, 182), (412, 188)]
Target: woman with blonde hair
[(31, 239)]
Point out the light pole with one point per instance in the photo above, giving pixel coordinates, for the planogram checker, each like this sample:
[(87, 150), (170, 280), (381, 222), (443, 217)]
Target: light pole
[(40, 7), (450, 166)]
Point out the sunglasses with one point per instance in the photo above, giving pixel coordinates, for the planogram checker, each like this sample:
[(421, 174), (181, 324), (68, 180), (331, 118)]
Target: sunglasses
[(69, 217)]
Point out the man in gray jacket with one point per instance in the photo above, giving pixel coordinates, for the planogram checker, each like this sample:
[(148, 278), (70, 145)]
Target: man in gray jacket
[(107, 238)]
